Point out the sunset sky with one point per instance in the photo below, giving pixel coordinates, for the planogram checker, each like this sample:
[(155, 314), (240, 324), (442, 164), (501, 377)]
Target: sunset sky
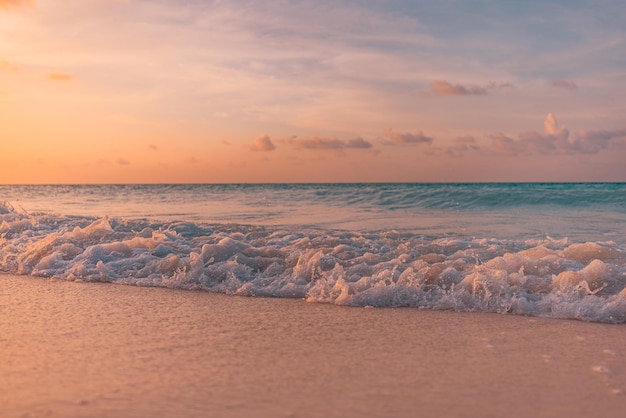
[(164, 91)]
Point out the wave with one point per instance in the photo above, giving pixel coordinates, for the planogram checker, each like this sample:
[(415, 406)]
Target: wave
[(393, 196), (488, 195), (538, 277)]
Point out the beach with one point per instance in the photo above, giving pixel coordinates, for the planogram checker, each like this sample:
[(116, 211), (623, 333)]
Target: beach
[(73, 349)]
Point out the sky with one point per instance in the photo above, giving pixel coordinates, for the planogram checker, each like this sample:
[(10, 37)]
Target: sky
[(230, 91)]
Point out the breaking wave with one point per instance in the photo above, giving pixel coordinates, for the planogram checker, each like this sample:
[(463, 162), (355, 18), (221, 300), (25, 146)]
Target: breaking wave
[(538, 277)]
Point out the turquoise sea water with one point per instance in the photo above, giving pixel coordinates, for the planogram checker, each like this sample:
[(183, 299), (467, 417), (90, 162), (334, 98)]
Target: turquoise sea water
[(537, 249)]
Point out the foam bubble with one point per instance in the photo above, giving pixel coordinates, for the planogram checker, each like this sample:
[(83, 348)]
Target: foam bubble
[(587, 252), (553, 278)]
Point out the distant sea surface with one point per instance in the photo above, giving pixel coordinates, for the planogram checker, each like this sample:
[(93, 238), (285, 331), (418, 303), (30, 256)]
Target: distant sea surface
[(550, 249)]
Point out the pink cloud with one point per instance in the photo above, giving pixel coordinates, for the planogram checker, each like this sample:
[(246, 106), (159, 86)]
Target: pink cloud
[(320, 143), (407, 138), (462, 145), (495, 85), (590, 142), (262, 143), (445, 88), (358, 143), (564, 84), (552, 128), (556, 140)]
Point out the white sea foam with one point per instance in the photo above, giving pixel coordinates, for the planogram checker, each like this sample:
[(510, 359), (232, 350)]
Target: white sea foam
[(540, 277)]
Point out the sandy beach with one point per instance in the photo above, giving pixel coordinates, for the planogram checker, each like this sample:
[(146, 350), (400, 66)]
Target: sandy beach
[(99, 350)]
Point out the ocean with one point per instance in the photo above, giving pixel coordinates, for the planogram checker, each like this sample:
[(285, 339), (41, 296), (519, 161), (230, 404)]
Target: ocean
[(553, 250)]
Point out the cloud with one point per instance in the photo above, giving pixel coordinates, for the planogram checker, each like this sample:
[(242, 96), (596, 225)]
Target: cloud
[(262, 143), (502, 85), (505, 145), (122, 161), (552, 127), (320, 143), (153, 147), (316, 143), (556, 140), (5, 4), (601, 135), (407, 138), (60, 77), (358, 143), (564, 84), (591, 142), (445, 88), (462, 145)]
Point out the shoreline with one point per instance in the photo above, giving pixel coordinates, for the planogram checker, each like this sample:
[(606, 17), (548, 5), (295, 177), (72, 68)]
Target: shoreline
[(101, 350)]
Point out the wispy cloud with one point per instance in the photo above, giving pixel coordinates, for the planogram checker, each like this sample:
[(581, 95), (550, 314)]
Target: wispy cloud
[(565, 84), (407, 138), (261, 144), (122, 161), (153, 147), (446, 88)]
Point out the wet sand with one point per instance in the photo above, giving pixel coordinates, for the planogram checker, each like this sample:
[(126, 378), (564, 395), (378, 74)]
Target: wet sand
[(100, 350)]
